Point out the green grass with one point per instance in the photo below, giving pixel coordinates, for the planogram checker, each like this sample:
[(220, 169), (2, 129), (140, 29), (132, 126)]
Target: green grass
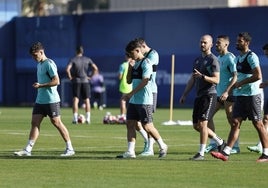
[(96, 145)]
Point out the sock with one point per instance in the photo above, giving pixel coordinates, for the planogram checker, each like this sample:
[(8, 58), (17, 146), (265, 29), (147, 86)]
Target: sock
[(75, 117), (144, 135), (227, 150), (88, 116), (29, 146), (265, 151), (218, 140), (202, 149), (69, 145), (151, 144), (212, 141), (236, 145), (131, 147), (259, 144), (161, 143)]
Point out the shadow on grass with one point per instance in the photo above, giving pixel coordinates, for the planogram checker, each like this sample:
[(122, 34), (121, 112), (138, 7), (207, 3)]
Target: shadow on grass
[(105, 155)]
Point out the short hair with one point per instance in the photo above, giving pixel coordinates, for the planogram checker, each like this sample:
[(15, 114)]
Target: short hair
[(132, 45), (36, 47), (265, 47), (79, 49), (246, 36), (140, 40), (223, 37)]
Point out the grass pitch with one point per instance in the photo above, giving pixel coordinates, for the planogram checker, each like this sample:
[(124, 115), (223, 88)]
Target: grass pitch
[(97, 145)]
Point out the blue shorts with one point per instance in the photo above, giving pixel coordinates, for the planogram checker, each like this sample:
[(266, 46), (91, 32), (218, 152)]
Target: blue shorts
[(140, 112)]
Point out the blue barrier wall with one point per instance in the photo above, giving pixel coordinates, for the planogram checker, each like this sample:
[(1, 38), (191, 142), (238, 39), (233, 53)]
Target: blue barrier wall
[(104, 37)]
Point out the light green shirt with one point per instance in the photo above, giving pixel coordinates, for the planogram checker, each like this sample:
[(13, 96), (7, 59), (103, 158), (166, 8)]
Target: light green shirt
[(45, 71), (124, 87)]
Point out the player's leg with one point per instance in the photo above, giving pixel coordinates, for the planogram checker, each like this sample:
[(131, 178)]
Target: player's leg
[(228, 106)]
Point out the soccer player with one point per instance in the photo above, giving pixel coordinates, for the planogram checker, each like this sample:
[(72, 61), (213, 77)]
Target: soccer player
[(47, 102), (225, 98), (153, 56), (258, 148), (124, 87), (140, 100), (77, 71), (205, 77), (248, 102)]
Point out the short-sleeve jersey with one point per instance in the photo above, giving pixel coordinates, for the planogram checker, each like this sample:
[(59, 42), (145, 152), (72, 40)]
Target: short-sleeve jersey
[(46, 70), (124, 87), (154, 58), (227, 68), (244, 66), (80, 68), (207, 65), (144, 95)]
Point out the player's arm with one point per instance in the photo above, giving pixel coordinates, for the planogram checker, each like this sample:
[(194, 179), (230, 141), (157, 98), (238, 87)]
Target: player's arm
[(129, 73), (214, 79), (187, 89), (141, 85), (54, 82), (232, 82), (256, 75), (68, 71)]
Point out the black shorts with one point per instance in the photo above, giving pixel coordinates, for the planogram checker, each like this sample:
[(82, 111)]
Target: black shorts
[(81, 90), (154, 102), (140, 112), (204, 107), (230, 98), (248, 107), (265, 107), (51, 110)]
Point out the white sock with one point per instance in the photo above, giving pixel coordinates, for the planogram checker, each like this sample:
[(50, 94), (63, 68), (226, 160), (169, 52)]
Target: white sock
[(69, 145), (131, 147), (202, 149), (218, 140), (29, 146), (144, 135), (259, 144), (75, 116), (161, 143), (88, 116), (151, 144), (227, 150), (265, 151)]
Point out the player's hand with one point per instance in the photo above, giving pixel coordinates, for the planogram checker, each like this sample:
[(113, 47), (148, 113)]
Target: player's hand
[(36, 85), (182, 99), (263, 84), (197, 74), (224, 96)]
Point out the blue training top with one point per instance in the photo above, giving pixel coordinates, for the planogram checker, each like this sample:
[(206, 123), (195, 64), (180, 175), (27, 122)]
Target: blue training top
[(144, 95), (46, 70), (227, 68), (244, 66)]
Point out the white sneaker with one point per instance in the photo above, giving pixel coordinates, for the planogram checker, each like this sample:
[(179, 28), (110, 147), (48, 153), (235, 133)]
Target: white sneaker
[(68, 153), (147, 153), (22, 153), (163, 152), (127, 154)]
